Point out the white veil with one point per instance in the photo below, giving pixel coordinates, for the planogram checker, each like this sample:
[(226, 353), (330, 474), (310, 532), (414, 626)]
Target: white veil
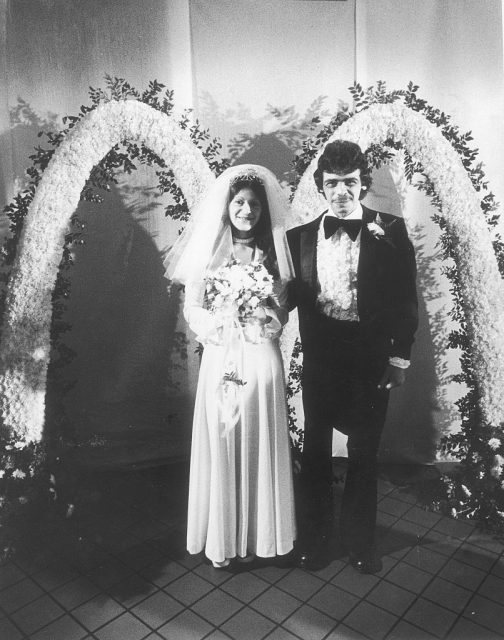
[(206, 240)]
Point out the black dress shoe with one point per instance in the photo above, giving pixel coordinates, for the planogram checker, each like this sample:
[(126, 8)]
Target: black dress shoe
[(312, 560), (317, 554), (367, 563)]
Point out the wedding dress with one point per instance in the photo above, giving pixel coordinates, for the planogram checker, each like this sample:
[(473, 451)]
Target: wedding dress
[(240, 489)]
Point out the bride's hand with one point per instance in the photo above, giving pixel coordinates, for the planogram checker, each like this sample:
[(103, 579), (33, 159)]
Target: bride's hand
[(261, 316)]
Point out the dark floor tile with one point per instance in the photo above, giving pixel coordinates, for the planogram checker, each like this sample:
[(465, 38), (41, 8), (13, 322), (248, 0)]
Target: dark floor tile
[(441, 543), (332, 569), (55, 575), (217, 634), (281, 634), (412, 531), (333, 601), (122, 628), (390, 597), (97, 612), (275, 604), (33, 559), (10, 574), (388, 563), (351, 581), (157, 609), (370, 620), (300, 584), (466, 630), (186, 626), (109, 573), (447, 594), (247, 624), (37, 614), (131, 591), (19, 594), (396, 546), (342, 632), (308, 622), (425, 559), (406, 631), (462, 574), (217, 607), (213, 575), (405, 495), (8, 631), (163, 572), (76, 592), (65, 628), (170, 542), (245, 586), (431, 617), (455, 528), (498, 568), (486, 613), (385, 520), (190, 561), (271, 573), (408, 577), (422, 516), (486, 541), (493, 589), (141, 555), (475, 556), (393, 507), (188, 588)]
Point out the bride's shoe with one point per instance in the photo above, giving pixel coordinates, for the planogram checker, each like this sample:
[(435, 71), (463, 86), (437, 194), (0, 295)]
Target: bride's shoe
[(221, 565), (246, 559)]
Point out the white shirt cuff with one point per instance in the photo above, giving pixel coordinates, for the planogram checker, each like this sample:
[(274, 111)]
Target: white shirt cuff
[(401, 363)]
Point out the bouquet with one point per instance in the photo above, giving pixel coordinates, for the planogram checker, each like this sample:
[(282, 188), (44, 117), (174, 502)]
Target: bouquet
[(238, 289)]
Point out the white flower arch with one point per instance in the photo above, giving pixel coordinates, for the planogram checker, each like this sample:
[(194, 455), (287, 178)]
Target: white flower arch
[(25, 345), (481, 284)]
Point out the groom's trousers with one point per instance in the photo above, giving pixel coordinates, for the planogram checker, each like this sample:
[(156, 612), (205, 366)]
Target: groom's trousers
[(342, 366)]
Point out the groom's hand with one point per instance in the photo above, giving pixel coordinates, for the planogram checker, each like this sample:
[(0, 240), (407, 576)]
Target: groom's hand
[(393, 377)]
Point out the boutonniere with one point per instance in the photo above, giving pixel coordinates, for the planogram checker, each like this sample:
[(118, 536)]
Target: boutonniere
[(379, 229)]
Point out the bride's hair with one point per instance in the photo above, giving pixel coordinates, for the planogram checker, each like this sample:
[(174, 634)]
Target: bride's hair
[(262, 230)]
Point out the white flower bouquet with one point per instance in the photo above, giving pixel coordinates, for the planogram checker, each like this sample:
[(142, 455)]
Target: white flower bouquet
[(237, 289)]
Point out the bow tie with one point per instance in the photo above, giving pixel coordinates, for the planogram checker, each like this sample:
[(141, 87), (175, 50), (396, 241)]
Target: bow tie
[(332, 224)]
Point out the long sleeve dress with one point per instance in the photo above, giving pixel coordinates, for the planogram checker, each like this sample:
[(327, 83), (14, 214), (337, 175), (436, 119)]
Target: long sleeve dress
[(240, 489)]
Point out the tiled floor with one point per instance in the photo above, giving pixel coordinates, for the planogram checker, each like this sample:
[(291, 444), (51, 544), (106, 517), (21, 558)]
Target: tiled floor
[(117, 570)]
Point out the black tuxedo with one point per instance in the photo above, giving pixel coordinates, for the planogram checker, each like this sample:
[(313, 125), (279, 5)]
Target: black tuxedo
[(342, 365)]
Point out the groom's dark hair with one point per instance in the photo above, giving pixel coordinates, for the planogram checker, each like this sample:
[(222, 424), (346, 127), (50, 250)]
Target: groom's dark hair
[(342, 157)]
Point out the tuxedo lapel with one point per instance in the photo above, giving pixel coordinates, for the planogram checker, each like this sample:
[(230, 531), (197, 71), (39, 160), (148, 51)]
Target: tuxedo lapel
[(308, 246), (367, 248)]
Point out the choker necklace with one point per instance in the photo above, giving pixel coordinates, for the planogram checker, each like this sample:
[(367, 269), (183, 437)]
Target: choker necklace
[(246, 241)]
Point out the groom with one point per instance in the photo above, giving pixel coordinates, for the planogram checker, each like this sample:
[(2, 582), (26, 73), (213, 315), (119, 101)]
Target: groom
[(355, 292)]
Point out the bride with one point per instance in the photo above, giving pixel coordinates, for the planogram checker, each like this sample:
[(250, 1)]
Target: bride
[(234, 262)]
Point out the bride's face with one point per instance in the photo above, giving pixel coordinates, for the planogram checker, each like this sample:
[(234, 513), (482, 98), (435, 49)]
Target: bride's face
[(245, 210)]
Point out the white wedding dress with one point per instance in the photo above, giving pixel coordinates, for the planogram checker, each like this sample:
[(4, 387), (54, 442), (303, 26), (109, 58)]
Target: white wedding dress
[(240, 489)]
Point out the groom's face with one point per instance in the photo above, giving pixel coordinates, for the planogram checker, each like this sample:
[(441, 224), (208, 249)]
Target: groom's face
[(342, 191)]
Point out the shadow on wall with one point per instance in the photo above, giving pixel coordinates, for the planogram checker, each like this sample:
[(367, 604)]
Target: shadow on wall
[(124, 331), (411, 430)]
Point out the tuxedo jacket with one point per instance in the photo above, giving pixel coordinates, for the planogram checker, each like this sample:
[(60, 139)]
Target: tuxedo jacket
[(386, 283)]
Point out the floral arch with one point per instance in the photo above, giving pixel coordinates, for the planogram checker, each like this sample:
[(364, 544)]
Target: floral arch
[(481, 285), (25, 345), (24, 350)]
